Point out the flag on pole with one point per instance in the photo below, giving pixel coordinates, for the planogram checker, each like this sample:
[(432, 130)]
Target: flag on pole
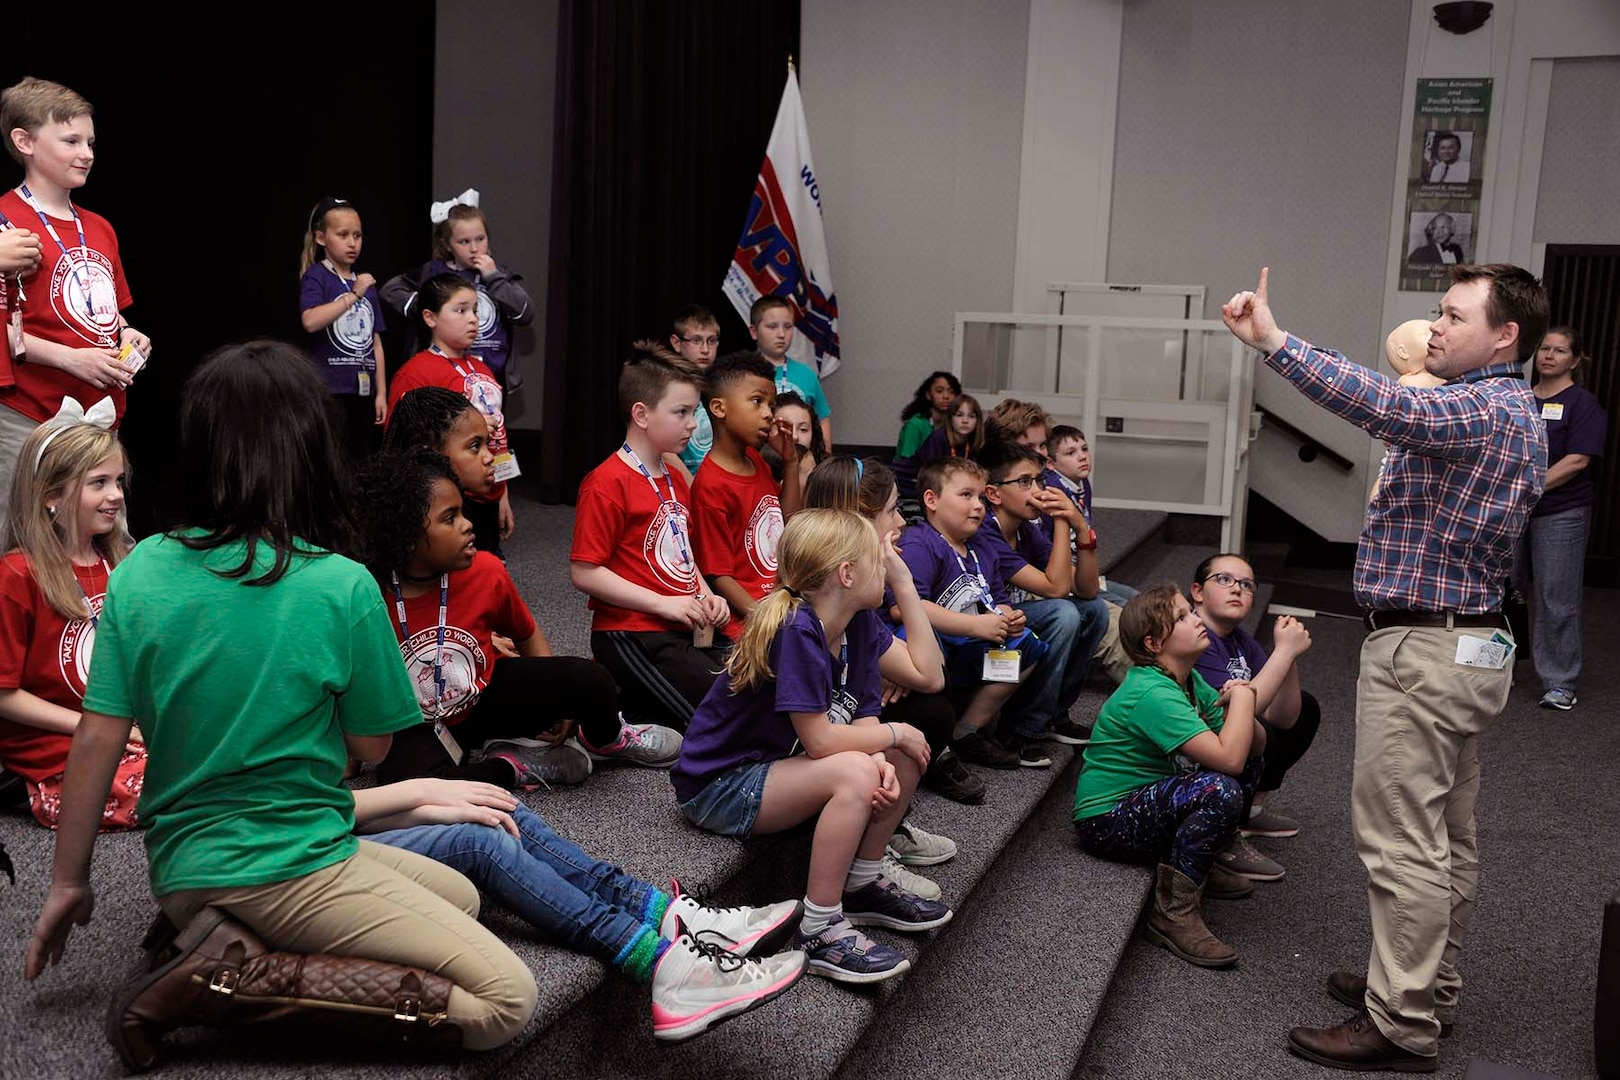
[(783, 251)]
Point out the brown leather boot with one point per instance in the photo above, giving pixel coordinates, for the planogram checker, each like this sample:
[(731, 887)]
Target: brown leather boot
[(217, 972), (1176, 922), (1350, 988), (1357, 1045)]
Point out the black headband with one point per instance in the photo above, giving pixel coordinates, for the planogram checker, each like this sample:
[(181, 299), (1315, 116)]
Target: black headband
[(326, 206)]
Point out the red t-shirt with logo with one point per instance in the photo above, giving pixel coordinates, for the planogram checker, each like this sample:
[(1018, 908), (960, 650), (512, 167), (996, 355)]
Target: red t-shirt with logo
[(473, 381), (738, 521), (54, 308), (46, 655), (620, 524), (483, 601)]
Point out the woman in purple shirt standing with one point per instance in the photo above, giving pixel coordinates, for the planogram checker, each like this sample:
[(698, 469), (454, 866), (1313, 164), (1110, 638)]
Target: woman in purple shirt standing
[(1553, 551), (790, 732)]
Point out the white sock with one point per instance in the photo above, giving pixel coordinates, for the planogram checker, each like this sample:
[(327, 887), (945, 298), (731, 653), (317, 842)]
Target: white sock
[(817, 918), (862, 872)]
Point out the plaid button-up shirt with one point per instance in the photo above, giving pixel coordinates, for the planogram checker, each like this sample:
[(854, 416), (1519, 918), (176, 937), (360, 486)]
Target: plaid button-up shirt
[(1467, 461)]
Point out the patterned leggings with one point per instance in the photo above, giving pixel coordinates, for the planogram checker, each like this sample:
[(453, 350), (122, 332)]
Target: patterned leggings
[(1191, 816)]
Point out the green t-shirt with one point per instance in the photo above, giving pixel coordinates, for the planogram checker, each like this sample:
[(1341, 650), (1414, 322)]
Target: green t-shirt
[(244, 694), (1137, 734), (913, 433)]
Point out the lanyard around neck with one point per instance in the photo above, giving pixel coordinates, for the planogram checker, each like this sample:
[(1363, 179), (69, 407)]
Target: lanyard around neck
[(978, 570), (405, 629), (73, 264), (671, 504)]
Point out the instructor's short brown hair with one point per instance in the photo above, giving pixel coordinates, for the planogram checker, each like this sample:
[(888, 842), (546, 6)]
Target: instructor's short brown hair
[(1516, 297)]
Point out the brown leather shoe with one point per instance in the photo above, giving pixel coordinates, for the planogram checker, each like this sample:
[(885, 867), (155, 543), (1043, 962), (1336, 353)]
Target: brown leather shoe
[(1357, 1045), (1350, 988)]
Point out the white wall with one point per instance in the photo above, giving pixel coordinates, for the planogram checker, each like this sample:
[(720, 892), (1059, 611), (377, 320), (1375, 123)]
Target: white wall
[(1579, 197), (915, 118), (495, 74), (1264, 140)]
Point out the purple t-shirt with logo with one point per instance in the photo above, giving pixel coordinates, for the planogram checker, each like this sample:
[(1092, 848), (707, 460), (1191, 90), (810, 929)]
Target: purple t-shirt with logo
[(952, 581), (1237, 656), (729, 730), (494, 336), (1576, 424), (1080, 493), (344, 350), (1033, 548)]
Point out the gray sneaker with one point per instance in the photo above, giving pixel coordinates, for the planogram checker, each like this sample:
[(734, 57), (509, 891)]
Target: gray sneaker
[(909, 880), (652, 745), (1240, 857), (916, 847), (1267, 822), (539, 764), (1558, 698)]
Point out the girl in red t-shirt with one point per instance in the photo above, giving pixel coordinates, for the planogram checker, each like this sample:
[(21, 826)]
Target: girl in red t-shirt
[(65, 531), (449, 601), (448, 308)]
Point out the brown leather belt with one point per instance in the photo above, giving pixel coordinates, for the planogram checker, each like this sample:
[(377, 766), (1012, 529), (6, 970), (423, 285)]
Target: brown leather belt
[(1381, 620)]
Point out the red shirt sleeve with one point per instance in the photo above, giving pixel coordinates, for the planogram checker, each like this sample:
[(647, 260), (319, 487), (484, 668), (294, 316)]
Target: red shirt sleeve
[(598, 521), (716, 513)]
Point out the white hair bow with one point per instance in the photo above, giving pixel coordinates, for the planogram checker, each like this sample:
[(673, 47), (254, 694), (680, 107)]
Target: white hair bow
[(103, 414), (441, 210)]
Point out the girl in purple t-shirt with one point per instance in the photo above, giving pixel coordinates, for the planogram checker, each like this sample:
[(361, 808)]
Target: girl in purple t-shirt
[(790, 731)]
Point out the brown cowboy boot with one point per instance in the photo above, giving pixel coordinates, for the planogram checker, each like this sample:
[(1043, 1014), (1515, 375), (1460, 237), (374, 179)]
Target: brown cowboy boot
[(217, 972), (1176, 922)]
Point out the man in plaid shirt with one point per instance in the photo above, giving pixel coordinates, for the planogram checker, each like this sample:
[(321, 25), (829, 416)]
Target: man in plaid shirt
[(1467, 462)]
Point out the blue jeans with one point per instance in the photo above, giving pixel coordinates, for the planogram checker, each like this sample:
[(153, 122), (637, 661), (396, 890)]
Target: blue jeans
[(584, 903), (1073, 628), (1554, 551), (729, 803)]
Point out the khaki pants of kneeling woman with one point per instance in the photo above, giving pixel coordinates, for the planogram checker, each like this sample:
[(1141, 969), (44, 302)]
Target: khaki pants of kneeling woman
[(392, 905)]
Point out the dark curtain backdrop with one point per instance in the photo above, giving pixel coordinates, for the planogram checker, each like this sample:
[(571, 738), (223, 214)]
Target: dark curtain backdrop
[(663, 113), (211, 148)]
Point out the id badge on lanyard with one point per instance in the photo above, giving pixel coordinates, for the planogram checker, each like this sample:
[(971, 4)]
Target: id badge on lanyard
[(441, 730), (702, 636), (1001, 665), (506, 463), (73, 264)]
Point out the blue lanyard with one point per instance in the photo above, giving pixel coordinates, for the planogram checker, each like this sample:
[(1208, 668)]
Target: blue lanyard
[(783, 386), (73, 265), (978, 572), (405, 630), (434, 348), (671, 504)]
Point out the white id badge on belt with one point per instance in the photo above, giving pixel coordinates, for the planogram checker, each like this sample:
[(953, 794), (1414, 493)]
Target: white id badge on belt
[(1001, 665), (448, 741), (506, 467), (1479, 652), (365, 383)]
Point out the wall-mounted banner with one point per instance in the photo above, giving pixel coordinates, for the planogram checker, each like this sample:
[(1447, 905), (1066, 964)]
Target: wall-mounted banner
[(1442, 191)]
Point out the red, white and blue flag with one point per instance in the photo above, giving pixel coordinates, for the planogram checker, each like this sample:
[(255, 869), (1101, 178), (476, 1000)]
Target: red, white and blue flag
[(783, 250)]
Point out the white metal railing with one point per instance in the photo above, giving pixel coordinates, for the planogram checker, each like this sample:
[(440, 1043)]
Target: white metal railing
[(1147, 427)]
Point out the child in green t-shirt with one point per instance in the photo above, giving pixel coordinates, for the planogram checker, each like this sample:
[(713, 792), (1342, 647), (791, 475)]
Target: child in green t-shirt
[(1167, 770), (256, 662)]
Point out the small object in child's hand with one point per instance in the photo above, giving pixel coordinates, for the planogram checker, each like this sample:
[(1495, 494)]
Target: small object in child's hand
[(703, 636), (130, 358)]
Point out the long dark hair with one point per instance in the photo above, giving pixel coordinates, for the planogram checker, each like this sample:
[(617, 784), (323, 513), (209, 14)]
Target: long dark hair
[(423, 417), (392, 495), (919, 405), (260, 459)]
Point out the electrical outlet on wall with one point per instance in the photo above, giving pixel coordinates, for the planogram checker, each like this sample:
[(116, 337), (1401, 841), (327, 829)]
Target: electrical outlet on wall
[(1114, 425)]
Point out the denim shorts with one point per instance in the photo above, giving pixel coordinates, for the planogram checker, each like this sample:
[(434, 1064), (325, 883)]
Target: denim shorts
[(730, 803)]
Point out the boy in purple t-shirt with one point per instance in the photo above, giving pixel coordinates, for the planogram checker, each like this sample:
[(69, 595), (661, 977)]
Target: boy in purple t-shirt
[(1056, 593), (987, 644)]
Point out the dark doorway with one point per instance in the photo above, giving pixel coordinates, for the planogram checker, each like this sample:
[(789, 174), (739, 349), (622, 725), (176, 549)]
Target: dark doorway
[(1583, 284)]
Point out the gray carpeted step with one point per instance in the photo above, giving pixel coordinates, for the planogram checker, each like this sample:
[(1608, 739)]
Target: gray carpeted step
[(810, 1031), (1016, 981)]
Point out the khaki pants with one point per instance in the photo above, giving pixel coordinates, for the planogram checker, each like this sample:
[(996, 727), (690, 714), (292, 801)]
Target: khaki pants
[(396, 906), (1418, 719), (1110, 654)]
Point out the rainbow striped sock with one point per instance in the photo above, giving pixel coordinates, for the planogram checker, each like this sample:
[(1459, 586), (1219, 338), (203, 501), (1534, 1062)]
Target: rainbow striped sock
[(638, 959)]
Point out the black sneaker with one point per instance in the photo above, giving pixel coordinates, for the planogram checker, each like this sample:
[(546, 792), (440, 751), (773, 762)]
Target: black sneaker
[(1031, 751), (1068, 731), (977, 748), (948, 776)]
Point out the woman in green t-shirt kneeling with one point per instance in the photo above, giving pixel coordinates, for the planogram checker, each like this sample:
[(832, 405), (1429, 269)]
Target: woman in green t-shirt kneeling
[(1169, 767)]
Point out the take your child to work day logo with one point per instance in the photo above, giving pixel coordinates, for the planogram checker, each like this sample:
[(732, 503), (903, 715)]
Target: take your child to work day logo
[(763, 532), (354, 330), (80, 271), (74, 649), (463, 660), (666, 554)]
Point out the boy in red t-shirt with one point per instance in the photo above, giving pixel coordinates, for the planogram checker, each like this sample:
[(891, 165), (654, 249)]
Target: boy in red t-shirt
[(737, 510), (71, 331), (654, 618)]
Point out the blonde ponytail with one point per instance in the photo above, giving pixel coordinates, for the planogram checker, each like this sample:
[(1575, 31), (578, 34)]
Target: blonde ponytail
[(814, 545)]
